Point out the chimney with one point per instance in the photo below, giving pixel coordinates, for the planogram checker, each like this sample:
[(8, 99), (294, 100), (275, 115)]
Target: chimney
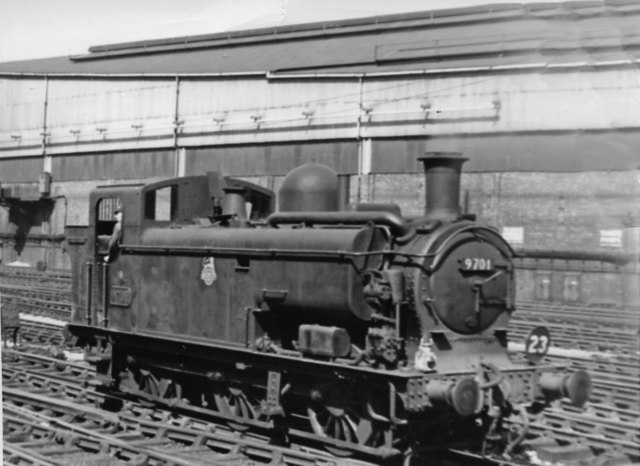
[(442, 176)]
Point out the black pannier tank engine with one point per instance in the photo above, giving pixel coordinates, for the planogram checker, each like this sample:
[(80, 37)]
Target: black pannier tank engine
[(358, 328)]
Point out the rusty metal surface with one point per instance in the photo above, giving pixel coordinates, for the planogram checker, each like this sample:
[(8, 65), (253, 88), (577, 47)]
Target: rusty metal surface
[(217, 290)]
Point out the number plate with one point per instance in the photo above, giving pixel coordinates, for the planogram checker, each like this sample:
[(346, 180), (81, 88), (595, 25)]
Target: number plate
[(537, 343), (120, 296), (477, 264)]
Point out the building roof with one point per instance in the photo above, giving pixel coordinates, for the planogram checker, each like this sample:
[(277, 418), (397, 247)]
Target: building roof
[(586, 32)]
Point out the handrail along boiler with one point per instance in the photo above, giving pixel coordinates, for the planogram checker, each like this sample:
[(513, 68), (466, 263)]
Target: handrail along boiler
[(359, 328)]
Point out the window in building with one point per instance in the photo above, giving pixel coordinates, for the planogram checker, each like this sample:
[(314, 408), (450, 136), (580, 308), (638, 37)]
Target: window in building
[(571, 287), (611, 238), (513, 235), (542, 285)]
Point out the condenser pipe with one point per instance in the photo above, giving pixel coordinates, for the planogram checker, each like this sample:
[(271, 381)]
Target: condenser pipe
[(403, 233)]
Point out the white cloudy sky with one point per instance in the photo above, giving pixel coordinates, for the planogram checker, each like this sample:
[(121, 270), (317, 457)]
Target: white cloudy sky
[(47, 28)]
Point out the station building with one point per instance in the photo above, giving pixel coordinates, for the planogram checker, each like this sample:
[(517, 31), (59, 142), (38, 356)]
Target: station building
[(543, 98)]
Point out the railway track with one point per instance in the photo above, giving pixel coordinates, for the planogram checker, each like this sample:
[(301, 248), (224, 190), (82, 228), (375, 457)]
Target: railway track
[(36, 331), (608, 424), (40, 307), (46, 294), (29, 276), (584, 316), (615, 380), (584, 440), (40, 332), (571, 336), (50, 418), (55, 294), (36, 290), (561, 432), (44, 430)]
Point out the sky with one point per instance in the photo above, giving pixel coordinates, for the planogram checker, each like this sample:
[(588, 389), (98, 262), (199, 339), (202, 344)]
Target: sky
[(32, 29)]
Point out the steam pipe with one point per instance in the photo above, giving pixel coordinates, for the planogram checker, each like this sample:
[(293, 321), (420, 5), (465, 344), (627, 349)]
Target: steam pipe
[(105, 294), (89, 266), (375, 207), (619, 258), (344, 185), (403, 233)]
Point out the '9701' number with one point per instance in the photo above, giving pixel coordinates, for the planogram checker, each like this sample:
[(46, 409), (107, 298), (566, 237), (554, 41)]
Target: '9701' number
[(477, 263)]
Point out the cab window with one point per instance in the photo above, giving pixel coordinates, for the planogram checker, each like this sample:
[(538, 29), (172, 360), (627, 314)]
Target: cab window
[(161, 204), (106, 220)]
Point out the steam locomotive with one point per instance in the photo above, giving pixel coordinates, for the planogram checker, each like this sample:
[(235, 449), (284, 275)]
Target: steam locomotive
[(354, 327)]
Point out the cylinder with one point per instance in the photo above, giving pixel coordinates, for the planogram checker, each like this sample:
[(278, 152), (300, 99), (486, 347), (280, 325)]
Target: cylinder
[(442, 177), (463, 396), (234, 203), (576, 387)]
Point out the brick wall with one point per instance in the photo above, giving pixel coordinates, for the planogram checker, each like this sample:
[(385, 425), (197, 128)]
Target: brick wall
[(555, 210)]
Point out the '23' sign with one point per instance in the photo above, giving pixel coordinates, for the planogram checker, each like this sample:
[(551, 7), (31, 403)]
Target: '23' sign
[(537, 344)]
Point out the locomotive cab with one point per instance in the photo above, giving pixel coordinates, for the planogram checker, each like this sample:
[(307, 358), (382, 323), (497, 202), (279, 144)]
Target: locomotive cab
[(175, 201), (185, 202)]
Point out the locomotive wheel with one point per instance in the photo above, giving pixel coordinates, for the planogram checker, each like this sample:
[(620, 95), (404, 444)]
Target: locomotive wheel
[(166, 389), (233, 402), (170, 389), (147, 383), (340, 424)]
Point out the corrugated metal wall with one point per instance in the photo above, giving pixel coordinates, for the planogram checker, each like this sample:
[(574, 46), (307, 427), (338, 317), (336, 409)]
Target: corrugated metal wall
[(252, 110), (542, 151), (26, 169), (116, 165), (110, 114), (98, 115), (277, 159), (22, 107), (113, 103), (551, 101)]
